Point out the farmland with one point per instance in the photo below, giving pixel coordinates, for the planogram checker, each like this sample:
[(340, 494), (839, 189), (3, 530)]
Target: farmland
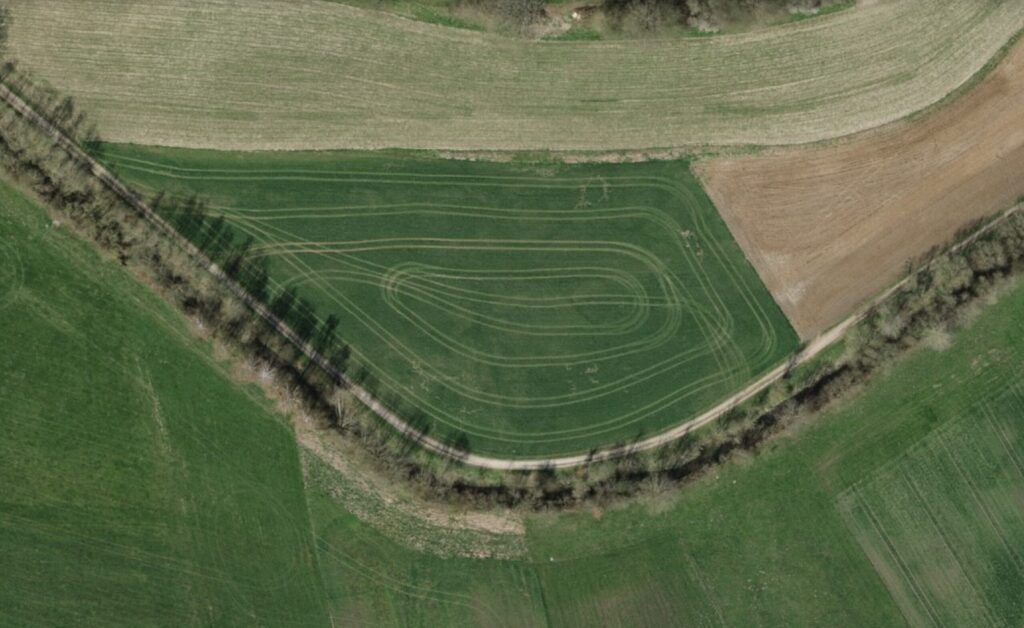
[(144, 485), (325, 75), (168, 460), (141, 479), (520, 307), (828, 227), (782, 539), (943, 523), (140, 485), (766, 541)]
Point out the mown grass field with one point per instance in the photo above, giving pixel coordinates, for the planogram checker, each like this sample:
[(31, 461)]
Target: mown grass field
[(523, 309), (140, 485), (261, 74)]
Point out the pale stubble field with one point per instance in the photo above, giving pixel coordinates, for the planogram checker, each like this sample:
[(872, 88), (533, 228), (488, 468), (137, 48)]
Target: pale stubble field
[(249, 75)]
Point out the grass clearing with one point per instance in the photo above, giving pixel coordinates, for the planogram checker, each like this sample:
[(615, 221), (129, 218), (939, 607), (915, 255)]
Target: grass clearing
[(141, 485), (523, 309), (181, 73)]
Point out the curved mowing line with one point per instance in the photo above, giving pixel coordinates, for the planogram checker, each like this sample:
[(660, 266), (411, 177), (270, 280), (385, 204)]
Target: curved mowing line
[(671, 187), (446, 298), (655, 368), (418, 297), (316, 273), (591, 429)]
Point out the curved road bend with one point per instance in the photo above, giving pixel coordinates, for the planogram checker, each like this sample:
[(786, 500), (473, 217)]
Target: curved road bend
[(526, 464)]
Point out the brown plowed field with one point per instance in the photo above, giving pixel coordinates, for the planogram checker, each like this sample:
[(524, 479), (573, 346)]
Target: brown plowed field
[(829, 226)]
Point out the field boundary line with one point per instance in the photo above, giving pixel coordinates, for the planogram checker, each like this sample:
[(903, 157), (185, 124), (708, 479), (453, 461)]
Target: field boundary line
[(811, 350)]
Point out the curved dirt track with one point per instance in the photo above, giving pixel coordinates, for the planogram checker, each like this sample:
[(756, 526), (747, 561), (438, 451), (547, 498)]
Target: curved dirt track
[(404, 428), (308, 74), (810, 351), (829, 226), (938, 160)]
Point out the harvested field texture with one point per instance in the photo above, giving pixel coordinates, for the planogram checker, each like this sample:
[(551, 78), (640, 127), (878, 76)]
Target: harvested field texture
[(828, 227), (262, 74), (516, 309)]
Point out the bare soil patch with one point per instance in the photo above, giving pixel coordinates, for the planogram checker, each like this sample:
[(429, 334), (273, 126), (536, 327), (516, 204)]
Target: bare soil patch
[(829, 226)]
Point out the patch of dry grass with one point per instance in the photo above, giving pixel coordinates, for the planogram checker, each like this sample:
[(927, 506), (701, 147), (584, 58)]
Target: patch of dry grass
[(251, 74)]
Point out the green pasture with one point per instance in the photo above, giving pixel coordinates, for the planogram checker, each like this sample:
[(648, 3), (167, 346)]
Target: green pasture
[(143, 487), (521, 309), (779, 539), (140, 485), (944, 523)]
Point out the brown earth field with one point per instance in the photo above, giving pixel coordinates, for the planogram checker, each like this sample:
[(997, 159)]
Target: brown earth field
[(830, 226)]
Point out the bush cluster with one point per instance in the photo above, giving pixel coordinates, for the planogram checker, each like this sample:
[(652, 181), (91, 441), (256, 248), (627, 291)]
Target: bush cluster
[(707, 15)]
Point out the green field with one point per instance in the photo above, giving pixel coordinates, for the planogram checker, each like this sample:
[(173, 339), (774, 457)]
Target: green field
[(373, 577), (903, 507), (140, 485), (143, 487), (525, 310), (307, 74), (775, 540), (944, 523)]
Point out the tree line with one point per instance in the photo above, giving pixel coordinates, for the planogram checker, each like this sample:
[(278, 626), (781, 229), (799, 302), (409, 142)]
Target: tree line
[(706, 15)]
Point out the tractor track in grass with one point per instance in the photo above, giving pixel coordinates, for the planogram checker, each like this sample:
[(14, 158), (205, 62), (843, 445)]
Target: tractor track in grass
[(811, 350), (523, 383)]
